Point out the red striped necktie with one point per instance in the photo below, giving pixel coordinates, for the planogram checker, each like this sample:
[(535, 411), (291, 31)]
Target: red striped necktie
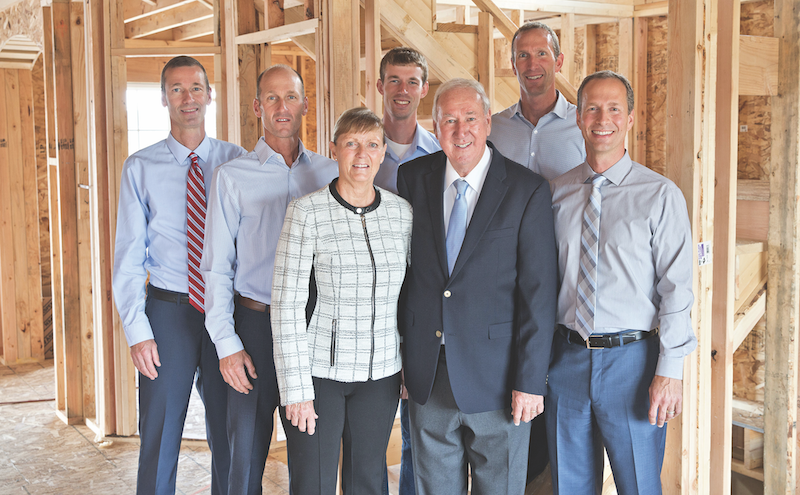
[(195, 229)]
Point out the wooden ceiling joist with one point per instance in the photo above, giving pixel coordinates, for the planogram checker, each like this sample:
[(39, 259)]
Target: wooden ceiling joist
[(169, 19), (278, 34), (138, 10), (194, 30), (556, 6)]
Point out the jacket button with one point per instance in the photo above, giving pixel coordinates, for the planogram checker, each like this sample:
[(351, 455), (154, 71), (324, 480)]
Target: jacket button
[(438, 334), (447, 293)]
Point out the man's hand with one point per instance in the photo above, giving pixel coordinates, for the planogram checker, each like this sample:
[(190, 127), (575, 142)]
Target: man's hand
[(302, 416), (525, 407), (233, 371), (145, 358), (666, 399)]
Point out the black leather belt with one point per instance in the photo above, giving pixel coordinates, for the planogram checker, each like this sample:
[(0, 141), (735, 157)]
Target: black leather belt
[(167, 295), (605, 341), (253, 304)]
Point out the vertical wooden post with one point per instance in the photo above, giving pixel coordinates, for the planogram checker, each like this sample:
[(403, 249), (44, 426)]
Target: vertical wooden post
[(117, 132), (80, 109), (590, 50), (247, 74), (783, 299), (461, 14), (344, 49), (220, 79), (67, 175), (8, 303), (568, 46), (689, 166), (273, 13), (724, 264), (485, 53), (638, 140), (372, 50), (625, 66), (101, 155)]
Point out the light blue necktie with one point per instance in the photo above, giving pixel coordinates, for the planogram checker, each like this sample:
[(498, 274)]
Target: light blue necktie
[(457, 227), (587, 275)]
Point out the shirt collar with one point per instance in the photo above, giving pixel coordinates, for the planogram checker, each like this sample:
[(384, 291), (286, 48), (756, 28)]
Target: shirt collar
[(265, 152), (181, 152), (476, 177), (560, 110), (422, 140), (616, 174)]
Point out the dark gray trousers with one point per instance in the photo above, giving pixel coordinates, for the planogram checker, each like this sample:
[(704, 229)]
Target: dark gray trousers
[(250, 416), (447, 443)]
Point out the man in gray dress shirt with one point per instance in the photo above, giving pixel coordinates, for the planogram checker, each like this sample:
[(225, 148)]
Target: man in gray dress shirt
[(247, 204), (625, 267), (539, 130)]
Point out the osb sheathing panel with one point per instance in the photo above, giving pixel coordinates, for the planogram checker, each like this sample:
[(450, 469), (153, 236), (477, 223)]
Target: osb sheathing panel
[(607, 46), (657, 93), (755, 112), (22, 19), (748, 366)]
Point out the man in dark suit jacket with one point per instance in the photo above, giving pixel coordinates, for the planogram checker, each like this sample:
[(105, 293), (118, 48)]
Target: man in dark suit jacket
[(478, 306)]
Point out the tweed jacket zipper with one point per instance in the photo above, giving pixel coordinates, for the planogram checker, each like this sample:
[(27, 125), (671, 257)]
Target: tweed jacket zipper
[(374, 288)]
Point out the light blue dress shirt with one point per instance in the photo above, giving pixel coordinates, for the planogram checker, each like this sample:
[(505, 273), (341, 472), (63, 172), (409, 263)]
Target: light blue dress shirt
[(551, 147), (246, 208), (151, 224), (644, 268), (424, 143)]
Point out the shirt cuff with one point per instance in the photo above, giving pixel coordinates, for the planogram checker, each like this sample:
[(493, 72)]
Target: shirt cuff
[(228, 345), (139, 332), (670, 367)]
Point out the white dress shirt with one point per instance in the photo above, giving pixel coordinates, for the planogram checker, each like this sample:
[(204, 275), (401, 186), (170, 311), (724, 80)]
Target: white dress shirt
[(246, 209), (424, 143), (151, 224), (475, 179)]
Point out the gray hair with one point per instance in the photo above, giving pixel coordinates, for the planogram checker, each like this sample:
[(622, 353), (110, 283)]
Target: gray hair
[(530, 26), (607, 74), (460, 83)]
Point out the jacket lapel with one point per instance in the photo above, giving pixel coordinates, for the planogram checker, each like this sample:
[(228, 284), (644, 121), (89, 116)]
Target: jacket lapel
[(492, 194), (434, 191)]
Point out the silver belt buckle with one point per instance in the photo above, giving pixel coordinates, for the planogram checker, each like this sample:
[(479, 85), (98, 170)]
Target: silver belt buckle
[(590, 346)]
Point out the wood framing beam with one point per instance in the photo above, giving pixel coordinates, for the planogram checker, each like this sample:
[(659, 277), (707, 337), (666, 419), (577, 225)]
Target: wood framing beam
[(556, 7), (690, 165), (410, 33), (590, 51), (278, 34), (372, 52), (168, 19), (746, 320), (132, 11), (783, 293), (124, 377), (485, 53), (568, 47), (8, 288), (758, 65), (344, 49), (638, 139), (194, 30), (68, 206), (724, 265)]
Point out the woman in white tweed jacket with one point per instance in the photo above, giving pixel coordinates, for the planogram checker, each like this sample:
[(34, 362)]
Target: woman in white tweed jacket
[(339, 376)]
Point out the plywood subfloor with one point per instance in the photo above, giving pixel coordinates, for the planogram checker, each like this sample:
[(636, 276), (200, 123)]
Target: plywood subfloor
[(39, 454)]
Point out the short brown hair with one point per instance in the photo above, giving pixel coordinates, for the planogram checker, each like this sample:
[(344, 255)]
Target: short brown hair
[(607, 74), (358, 119), (181, 61), (530, 26), (403, 55)]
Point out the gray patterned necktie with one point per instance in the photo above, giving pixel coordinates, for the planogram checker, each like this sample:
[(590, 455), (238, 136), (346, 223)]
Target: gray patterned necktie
[(587, 275)]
